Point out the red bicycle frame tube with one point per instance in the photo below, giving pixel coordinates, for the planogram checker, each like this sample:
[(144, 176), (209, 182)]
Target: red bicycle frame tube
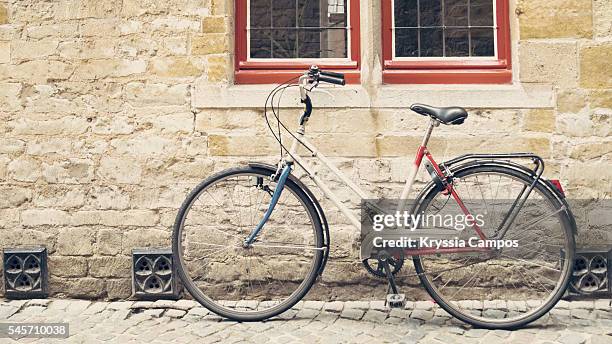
[(423, 152)]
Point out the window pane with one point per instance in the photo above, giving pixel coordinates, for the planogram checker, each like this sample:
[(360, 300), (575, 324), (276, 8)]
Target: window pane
[(405, 13), (284, 44), (482, 42), (431, 12), (324, 13), (309, 13), (260, 14), (431, 42), (261, 43), (298, 29), (283, 13), (444, 28), (316, 43), (406, 43), (481, 12), (457, 42), (456, 12)]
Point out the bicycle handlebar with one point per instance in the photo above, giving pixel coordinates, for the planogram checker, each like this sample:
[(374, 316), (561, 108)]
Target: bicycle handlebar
[(317, 75), (332, 74), (332, 80)]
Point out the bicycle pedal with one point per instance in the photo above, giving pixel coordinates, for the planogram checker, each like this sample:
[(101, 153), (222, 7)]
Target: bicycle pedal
[(396, 300)]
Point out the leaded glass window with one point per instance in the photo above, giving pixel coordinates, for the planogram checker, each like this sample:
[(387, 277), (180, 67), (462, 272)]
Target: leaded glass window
[(293, 29), (444, 28)]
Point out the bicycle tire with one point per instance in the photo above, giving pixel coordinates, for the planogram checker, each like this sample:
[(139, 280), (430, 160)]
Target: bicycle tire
[(209, 303), (431, 191)]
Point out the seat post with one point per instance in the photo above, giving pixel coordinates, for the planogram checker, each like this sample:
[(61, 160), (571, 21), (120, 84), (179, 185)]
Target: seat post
[(432, 123)]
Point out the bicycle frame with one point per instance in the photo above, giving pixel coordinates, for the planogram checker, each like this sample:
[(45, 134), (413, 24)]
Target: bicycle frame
[(292, 156)]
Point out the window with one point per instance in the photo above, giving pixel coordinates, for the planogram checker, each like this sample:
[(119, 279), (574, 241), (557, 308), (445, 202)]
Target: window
[(446, 41), (278, 39)]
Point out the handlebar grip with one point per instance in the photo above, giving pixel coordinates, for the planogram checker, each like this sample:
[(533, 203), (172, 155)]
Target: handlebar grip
[(332, 74), (331, 80)]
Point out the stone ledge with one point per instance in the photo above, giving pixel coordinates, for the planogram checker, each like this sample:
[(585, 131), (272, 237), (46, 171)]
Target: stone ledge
[(523, 96)]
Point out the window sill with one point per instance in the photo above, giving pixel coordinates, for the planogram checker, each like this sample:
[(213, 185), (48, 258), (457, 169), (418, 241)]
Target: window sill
[(255, 76), (517, 96), (440, 76)]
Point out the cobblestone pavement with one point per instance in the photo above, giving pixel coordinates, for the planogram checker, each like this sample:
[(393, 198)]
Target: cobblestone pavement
[(185, 321)]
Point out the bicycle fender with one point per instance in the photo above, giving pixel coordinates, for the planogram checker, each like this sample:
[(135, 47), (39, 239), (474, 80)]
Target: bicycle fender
[(322, 219), (517, 167)]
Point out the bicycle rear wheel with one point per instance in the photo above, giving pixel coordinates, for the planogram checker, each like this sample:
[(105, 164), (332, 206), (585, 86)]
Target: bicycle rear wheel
[(501, 288), (256, 282)]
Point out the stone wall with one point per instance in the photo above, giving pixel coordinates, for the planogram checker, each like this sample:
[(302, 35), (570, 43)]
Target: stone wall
[(105, 125)]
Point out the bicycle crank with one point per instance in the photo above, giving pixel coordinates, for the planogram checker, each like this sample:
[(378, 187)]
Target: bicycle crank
[(375, 267)]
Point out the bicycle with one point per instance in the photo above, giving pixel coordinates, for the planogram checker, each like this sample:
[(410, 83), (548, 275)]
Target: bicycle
[(251, 241)]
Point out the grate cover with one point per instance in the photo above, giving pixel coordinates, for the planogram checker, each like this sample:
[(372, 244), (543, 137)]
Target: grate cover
[(592, 273), (25, 273), (153, 274)]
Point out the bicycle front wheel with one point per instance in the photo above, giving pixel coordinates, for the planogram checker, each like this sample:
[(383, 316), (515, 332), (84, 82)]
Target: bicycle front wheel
[(247, 283), (493, 287)]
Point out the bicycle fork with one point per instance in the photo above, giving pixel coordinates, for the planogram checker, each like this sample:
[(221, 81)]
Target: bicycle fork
[(282, 180)]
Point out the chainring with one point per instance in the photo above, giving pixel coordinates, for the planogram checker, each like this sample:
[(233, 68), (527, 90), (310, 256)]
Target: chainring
[(375, 267)]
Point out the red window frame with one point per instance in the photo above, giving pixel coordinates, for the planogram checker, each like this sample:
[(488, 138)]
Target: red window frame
[(263, 72), (495, 71)]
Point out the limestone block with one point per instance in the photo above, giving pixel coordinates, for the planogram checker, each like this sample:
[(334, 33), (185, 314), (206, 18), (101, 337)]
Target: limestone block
[(32, 50), (115, 125), (11, 146), (100, 48), (40, 71), (115, 218), (240, 145), (592, 150), (24, 169), (81, 9), (55, 30), (88, 288), (109, 197), (60, 196), (14, 196), (140, 94), (99, 69), (63, 266), (145, 237), (176, 67), (209, 43), (46, 146), (217, 68), (214, 25), (10, 99), (5, 52), (602, 18), (549, 62), (571, 101), (145, 145), (595, 71), (3, 14), (109, 241), (40, 217), (540, 120), (600, 99), (72, 171), (105, 267), (77, 241), (120, 170), (175, 24), (555, 18), (119, 289)]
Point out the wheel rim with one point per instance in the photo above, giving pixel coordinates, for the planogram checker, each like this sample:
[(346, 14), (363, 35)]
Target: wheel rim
[(268, 276), (515, 284)]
